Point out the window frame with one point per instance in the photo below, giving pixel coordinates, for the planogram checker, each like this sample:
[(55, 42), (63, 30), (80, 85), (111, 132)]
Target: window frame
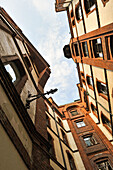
[(105, 96), (90, 136), (94, 50), (106, 125), (89, 85), (78, 6), (79, 121), (91, 104), (87, 13), (83, 51), (71, 162), (52, 148), (72, 18), (64, 137)]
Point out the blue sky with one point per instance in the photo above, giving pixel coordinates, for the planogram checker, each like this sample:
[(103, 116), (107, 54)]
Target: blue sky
[(48, 31)]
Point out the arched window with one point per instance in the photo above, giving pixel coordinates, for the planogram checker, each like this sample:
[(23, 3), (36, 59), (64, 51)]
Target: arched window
[(71, 161), (13, 72)]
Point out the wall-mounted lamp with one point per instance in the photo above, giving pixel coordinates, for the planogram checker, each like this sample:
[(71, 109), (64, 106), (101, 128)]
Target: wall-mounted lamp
[(31, 97)]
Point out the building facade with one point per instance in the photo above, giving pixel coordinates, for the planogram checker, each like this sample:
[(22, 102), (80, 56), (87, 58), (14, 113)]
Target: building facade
[(91, 28), (41, 134)]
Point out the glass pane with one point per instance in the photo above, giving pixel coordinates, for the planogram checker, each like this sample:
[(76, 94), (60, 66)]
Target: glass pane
[(11, 72)]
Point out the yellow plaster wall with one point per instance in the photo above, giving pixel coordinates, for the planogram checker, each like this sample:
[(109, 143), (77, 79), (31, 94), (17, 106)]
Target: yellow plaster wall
[(9, 157), (105, 13), (100, 75), (15, 121), (54, 165), (56, 147), (90, 21)]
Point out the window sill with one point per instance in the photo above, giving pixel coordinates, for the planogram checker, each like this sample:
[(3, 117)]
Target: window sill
[(108, 128), (87, 14), (103, 96), (90, 87)]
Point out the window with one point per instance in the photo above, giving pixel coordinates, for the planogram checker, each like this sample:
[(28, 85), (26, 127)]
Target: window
[(102, 88), (72, 18), (74, 113), (94, 110), (111, 44), (51, 149), (104, 165), (80, 124), (76, 49), (90, 5), (47, 120), (105, 121), (97, 48), (71, 162), (60, 122), (11, 72), (89, 82), (64, 137), (78, 12), (90, 141), (85, 49)]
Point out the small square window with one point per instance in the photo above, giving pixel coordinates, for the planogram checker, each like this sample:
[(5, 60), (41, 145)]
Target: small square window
[(80, 124), (102, 88), (74, 113), (90, 141)]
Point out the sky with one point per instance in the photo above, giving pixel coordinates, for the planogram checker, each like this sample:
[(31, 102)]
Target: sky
[(49, 32)]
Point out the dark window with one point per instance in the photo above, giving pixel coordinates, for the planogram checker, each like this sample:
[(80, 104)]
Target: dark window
[(74, 113), (47, 121), (60, 122), (89, 81), (80, 124), (104, 165), (105, 121), (102, 88), (97, 47), (90, 140), (86, 100), (72, 14), (78, 12), (51, 149), (89, 5), (85, 49), (64, 137), (111, 44), (73, 22), (76, 49), (93, 109), (71, 162)]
